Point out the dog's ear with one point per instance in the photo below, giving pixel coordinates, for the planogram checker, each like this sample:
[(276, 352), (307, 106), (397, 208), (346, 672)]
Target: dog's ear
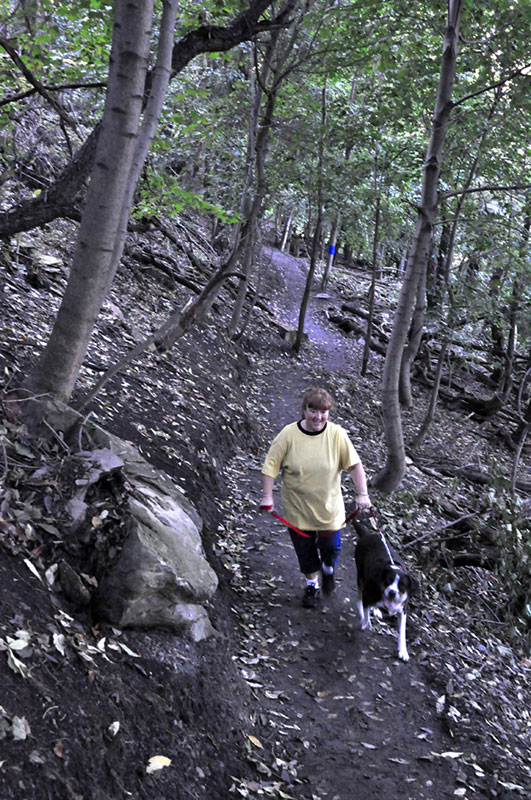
[(362, 526), (414, 585)]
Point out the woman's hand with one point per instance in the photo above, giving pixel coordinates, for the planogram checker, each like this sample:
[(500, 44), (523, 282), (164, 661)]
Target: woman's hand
[(266, 503), (363, 501)]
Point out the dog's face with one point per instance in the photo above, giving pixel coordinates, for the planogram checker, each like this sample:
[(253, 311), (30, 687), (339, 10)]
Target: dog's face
[(396, 587)]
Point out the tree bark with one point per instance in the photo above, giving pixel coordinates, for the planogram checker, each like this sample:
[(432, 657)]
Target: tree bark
[(331, 252), (317, 232), (405, 393), (393, 471), (375, 268), (284, 244), (256, 151)]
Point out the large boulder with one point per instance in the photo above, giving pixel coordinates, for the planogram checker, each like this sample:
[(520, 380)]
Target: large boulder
[(162, 574), (161, 577)]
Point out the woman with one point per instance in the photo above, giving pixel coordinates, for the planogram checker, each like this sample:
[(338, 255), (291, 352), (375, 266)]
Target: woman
[(311, 454)]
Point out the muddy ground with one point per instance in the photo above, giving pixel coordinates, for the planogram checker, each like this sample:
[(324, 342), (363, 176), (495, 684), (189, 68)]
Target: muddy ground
[(284, 702)]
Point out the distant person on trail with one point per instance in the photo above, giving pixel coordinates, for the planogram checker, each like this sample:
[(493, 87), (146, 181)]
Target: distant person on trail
[(311, 455)]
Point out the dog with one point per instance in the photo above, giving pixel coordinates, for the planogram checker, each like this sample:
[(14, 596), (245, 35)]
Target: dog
[(382, 583)]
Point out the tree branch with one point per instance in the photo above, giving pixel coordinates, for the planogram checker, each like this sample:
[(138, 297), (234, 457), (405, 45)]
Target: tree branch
[(492, 86), (217, 39), (486, 189), (38, 86), (14, 98)]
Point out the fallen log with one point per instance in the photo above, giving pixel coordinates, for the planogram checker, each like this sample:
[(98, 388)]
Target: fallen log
[(349, 326)]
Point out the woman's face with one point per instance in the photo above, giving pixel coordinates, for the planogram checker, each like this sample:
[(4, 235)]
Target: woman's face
[(315, 419)]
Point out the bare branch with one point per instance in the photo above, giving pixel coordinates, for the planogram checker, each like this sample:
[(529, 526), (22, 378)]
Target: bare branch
[(501, 82), (38, 86), (486, 189), (14, 98)]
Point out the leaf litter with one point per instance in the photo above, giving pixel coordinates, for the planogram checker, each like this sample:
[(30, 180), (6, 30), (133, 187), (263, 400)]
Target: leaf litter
[(471, 688)]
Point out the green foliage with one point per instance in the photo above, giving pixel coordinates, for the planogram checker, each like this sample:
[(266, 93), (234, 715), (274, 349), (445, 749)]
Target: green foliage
[(379, 64), (163, 191), (514, 568)]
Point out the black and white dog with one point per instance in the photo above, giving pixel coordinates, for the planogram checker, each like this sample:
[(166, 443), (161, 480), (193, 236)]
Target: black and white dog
[(382, 582)]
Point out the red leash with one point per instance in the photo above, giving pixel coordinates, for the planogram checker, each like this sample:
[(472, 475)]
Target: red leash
[(301, 533), (353, 515), (280, 519)]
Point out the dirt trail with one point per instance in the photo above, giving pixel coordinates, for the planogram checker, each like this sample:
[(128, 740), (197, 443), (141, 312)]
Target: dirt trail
[(344, 716)]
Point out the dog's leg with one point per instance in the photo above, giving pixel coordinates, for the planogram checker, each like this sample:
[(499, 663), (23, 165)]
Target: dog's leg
[(365, 616), (403, 654)]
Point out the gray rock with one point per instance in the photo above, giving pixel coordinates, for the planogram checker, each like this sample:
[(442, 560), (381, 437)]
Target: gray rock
[(161, 577)]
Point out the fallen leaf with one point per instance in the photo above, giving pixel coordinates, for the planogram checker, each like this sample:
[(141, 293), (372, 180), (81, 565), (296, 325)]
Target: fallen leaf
[(156, 763), (33, 568), (21, 730), (127, 650), (255, 741)]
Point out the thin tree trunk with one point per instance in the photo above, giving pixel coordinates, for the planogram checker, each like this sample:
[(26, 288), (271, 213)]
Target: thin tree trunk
[(258, 143), (287, 233), (331, 252), (256, 99), (506, 376), (430, 414), (390, 476), (410, 352), (309, 279), (405, 394), (317, 232), (375, 269), (150, 121)]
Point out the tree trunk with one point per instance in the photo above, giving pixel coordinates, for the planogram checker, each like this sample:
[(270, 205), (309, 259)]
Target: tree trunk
[(405, 394), (159, 84), (245, 203), (309, 280), (284, 244), (393, 471), (430, 414), (331, 252), (435, 276), (59, 365), (317, 232), (62, 199), (446, 251), (375, 269), (257, 150)]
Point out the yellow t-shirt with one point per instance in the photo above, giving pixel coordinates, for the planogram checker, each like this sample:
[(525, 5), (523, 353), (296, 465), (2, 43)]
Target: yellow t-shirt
[(311, 465)]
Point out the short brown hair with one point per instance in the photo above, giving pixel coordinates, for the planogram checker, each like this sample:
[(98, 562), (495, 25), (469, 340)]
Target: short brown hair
[(317, 398)]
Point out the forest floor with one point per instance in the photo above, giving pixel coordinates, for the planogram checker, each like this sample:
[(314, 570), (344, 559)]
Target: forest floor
[(284, 702)]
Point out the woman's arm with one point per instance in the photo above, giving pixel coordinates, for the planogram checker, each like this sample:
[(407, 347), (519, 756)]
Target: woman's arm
[(266, 502), (359, 479)]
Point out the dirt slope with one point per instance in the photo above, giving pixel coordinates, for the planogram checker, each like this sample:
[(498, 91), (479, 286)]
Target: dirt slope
[(285, 702)]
